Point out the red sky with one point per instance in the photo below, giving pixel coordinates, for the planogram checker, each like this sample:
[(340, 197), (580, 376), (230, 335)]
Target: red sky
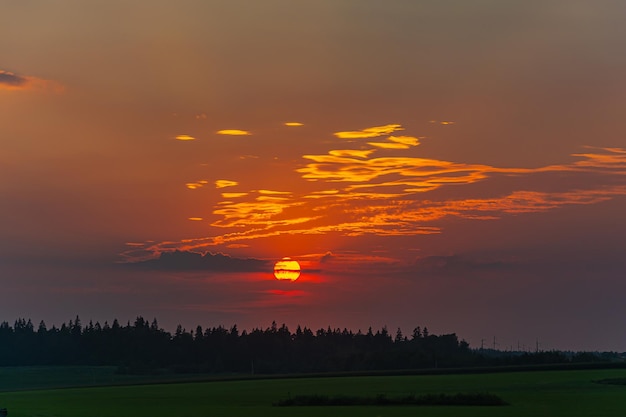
[(457, 165)]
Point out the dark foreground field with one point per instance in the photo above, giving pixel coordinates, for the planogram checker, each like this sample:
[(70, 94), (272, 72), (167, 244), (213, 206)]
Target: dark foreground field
[(539, 393)]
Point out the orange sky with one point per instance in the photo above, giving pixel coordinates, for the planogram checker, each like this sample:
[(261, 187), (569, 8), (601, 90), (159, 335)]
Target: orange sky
[(459, 165)]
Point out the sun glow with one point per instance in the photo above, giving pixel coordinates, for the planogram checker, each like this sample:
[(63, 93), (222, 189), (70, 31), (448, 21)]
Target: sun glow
[(287, 269)]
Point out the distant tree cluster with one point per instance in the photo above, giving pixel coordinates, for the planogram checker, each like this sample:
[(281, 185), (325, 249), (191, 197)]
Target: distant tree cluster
[(144, 347)]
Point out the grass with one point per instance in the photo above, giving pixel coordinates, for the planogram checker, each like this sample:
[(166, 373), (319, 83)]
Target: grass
[(477, 399), (613, 381), (20, 378), (540, 393)]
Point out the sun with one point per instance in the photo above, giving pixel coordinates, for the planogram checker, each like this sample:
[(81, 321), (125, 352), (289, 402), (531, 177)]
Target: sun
[(287, 270)]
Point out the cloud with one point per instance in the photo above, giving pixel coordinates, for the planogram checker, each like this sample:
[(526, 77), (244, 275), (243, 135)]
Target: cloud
[(233, 132), (364, 206), (191, 261), (262, 211), (12, 81), (370, 132), (197, 184), (354, 193), (443, 122), (233, 195), (273, 192), (225, 183), (405, 140), (387, 145), (293, 124), (353, 153), (237, 246), (326, 257), (185, 137), (396, 142)]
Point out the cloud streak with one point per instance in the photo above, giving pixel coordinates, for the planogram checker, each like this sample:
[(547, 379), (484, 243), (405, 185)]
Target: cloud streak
[(225, 183), (369, 132), (13, 81), (191, 261), (233, 132), (357, 192)]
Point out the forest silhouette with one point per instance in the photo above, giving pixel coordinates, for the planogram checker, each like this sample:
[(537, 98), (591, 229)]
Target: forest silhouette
[(143, 347)]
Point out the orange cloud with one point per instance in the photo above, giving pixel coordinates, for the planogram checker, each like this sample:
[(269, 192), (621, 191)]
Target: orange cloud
[(274, 192), (387, 145), (293, 124), (197, 184), (352, 212), (354, 194), (237, 246), (233, 132), (233, 195), (351, 153), (225, 183), (185, 137), (12, 81), (396, 142), (443, 122), (370, 132), (271, 198), (405, 140)]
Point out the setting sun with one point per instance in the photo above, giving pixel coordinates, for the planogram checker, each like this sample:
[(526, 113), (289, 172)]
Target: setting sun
[(287, 269)]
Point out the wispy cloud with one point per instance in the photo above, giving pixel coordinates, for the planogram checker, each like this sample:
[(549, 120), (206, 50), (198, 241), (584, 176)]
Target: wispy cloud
[(369, 132), (191, 261), (225, 183), (233, 132), (185, 137), (355, 192), (443, 122), (388, 145), (12, 81), (274, 192), (196, 184), (353, 153), (233, 195), (405, 140)]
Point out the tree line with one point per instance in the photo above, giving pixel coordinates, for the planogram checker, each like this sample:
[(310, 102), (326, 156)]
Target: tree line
[(145, 347)]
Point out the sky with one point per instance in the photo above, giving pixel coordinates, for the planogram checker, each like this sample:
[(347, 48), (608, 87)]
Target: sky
[(450, 164)]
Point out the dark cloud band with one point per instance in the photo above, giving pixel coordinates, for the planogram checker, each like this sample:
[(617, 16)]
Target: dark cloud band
[(191, 261), (11, 79)]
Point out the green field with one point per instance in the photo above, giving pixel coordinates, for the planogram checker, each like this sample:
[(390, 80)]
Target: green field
[(539, 393)]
